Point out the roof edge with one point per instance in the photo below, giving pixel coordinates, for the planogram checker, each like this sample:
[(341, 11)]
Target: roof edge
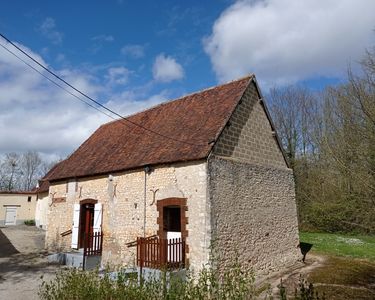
[(251, 78), (18, 192), (263, 102), (127, 169)]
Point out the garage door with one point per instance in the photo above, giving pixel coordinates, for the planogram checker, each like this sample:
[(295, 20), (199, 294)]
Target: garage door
[(10, 215)]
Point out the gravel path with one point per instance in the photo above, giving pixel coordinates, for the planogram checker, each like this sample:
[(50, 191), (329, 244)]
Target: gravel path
[(23, 262)]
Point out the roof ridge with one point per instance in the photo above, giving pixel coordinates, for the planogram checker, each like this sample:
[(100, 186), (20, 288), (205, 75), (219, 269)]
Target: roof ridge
[(249, 76)]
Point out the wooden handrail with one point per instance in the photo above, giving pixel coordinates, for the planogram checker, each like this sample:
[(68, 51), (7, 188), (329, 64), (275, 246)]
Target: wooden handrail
[(134, 243), (65, 233)]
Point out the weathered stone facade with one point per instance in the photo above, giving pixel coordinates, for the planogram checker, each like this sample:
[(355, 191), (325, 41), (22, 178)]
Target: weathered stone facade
[(251, 191), (253, 214), (123, 209)]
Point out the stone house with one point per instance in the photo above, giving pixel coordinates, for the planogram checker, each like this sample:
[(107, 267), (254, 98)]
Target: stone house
[(206, 167)]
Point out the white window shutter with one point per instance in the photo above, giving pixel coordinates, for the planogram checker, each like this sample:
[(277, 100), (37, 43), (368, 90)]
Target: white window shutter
[(98, 217), (75, 228)]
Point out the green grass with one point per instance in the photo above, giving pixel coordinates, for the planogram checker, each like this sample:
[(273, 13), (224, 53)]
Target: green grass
[(348, 271), (358, 246)]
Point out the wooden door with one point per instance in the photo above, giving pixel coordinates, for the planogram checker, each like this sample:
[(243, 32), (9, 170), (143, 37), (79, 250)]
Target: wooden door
[(11, 215), (86, 222)]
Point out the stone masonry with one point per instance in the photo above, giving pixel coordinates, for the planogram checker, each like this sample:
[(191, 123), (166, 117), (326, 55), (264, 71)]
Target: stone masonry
[(251, 191), (123, 207), (257, 220)]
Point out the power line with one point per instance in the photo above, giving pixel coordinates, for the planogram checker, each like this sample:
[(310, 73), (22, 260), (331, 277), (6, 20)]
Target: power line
[(85, 95), (55, 83)]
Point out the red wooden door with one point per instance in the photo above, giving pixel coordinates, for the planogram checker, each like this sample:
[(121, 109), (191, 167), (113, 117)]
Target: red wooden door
[(86, 222)]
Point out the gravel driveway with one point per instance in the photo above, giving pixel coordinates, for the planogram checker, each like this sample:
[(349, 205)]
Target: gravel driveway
[(23, 262)]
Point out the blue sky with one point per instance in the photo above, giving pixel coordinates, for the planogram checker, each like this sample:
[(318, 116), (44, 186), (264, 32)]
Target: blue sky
[(97, 35), (131, 55)]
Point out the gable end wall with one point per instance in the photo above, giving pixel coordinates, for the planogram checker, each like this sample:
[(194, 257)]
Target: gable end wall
[(248, 136), (251, 192)]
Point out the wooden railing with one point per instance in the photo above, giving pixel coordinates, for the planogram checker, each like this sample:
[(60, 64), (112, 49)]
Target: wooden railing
[(93, 244), (65, 233), (157, 253)]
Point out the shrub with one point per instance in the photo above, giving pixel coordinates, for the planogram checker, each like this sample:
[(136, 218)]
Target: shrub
[(77, 284), (30, 222)]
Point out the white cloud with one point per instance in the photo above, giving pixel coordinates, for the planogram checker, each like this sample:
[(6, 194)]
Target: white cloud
[(166, 69), (99, 42), (283, 41), (103, 38), (48, 29), (36, 115), (134, 51), (129, 102), (60, 58), (118, 75)]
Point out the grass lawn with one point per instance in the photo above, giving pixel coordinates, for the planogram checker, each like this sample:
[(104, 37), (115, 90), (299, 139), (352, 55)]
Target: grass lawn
[(349, 268), (358, 246)]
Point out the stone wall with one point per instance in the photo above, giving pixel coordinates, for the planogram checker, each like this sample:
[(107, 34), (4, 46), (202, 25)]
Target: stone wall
[(123, 209), (253, 214), (41, 210), (248, 136)]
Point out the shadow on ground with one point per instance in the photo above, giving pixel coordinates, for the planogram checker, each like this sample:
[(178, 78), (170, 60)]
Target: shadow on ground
[(6, 247), (20, 266)]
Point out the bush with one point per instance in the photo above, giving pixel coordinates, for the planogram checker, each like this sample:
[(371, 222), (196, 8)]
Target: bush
[(234, 283), (30, 222), (78, 284)]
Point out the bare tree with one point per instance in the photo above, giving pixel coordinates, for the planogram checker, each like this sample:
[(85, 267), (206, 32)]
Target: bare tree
[(22, 171), (11, 172), (330, 141), (31, 164), (293, 109)]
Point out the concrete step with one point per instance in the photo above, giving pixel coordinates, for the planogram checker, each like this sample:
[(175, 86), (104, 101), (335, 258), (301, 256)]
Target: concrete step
[(70, 259), (74, 259)]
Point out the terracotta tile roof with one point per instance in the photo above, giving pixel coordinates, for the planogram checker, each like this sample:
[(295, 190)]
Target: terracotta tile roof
[(17, 192), (195, 119)]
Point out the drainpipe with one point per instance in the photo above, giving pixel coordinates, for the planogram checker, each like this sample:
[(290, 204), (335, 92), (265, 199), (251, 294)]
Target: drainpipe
[(147, 170)]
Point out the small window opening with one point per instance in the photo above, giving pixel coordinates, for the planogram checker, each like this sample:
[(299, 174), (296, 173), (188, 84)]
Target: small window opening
[(29, 199), (172, 218)]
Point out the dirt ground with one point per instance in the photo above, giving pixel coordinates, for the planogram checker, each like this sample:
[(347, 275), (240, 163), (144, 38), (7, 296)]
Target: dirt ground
[(290, 277), (23, 262), (338, 278)]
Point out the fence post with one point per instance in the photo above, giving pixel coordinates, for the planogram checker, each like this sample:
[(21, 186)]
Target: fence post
[(84, 251), (141, 254)]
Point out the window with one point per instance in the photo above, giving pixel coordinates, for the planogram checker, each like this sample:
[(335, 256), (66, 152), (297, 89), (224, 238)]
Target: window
[(29, 199)]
